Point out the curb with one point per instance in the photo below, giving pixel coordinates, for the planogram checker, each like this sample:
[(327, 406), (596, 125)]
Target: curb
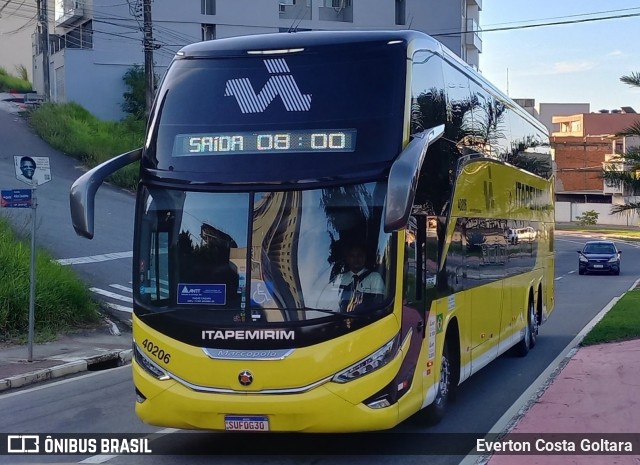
[(65, 369)]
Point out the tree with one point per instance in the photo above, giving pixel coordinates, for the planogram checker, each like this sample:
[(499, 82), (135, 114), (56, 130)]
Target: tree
[(629, 176), (135, 96)]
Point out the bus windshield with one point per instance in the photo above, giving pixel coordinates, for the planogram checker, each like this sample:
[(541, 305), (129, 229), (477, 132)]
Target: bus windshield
[(263, 257)]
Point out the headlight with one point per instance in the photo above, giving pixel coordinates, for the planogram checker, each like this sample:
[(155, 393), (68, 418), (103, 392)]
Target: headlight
[(583, 259), (148, 365), (376, 360), (613, 260)]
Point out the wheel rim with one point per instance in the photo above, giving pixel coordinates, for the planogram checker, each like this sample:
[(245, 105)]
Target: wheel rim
[(527, 331), (443, 387)]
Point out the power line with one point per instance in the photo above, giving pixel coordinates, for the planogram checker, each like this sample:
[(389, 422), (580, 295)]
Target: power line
[(529, 26)]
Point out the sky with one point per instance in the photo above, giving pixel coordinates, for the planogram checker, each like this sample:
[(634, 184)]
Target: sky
[(569, 63)]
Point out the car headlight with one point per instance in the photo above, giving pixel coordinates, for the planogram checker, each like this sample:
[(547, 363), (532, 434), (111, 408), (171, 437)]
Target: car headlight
[(613, 260), (583, 259), (373, 362)]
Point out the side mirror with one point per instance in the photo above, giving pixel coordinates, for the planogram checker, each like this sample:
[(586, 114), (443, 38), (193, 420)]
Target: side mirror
[(579, 251), (619, 252)]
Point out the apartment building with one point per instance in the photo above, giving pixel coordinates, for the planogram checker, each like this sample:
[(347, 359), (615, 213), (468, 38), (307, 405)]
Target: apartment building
[(97, 41), (583, 145), (544, 112), (18, 21)]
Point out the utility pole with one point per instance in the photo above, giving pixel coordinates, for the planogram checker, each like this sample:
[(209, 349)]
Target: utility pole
[(148, 54), (43, 19)]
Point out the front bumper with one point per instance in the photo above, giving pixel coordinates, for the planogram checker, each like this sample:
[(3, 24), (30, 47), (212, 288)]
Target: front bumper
[(323, 409), (600, 267)]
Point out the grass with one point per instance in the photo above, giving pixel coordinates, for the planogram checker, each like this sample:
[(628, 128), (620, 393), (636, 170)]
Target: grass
[(9, 83), (621, 323), (70, 128), (62, 301), (628, 232)]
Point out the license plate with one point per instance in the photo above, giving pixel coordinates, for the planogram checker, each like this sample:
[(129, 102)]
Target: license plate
[(241, 423), (598, 266)]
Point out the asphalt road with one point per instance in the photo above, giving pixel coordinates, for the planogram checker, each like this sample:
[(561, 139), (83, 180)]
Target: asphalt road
[(103, 402)]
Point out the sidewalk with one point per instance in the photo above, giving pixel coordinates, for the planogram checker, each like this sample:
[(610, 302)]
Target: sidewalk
[(597, 392), (104, 347)]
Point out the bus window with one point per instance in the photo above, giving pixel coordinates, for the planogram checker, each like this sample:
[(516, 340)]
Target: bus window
[(264, 257)]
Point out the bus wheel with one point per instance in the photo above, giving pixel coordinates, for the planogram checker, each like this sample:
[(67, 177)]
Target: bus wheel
[(530, 331), (436, 411)]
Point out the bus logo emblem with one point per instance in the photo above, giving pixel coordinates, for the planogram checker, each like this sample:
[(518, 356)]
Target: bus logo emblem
[(245, 377), (281, 83)]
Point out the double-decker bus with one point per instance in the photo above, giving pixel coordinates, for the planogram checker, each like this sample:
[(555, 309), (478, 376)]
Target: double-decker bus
[(268, 159)]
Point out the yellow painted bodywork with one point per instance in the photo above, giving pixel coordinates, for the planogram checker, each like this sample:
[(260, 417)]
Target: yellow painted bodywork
[(491, 318)]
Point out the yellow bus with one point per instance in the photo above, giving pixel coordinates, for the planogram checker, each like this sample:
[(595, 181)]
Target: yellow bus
[(322, 232)]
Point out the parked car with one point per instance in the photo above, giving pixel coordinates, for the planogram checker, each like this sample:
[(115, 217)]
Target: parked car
[(516, 235), (599, 257)]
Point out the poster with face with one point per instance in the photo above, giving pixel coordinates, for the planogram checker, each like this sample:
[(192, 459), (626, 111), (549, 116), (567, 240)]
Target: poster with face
[(32, 170)]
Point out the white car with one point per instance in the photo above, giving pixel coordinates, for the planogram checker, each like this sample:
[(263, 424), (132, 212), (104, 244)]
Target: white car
[(517, 235)]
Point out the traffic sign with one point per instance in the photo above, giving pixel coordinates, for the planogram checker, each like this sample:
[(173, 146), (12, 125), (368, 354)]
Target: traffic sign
[(16, 198)]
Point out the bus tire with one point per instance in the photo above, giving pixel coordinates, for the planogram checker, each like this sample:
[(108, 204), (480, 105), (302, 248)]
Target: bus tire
[(435, 412), (530, 332)]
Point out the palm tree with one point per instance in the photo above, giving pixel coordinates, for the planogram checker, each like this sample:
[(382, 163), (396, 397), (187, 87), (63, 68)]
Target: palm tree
[(630, 175)]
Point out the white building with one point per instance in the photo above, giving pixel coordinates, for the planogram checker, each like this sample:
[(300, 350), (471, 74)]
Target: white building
[(18, 20), (97, 41), (544, 112)]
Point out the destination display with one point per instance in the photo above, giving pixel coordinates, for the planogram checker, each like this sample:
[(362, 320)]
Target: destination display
[(227, 143)]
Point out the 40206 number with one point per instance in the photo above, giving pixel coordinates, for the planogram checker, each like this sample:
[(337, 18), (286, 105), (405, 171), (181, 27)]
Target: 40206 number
[(156, 351)]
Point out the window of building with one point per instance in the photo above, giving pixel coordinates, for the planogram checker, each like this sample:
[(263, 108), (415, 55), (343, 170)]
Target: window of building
[(208, 7), (208, 31), (400, 12), (337, 3)]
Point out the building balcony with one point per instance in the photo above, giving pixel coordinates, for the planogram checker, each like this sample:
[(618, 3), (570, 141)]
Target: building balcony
[(69, 12), (473, 36), (476, 3), (336, 10), (295, 11)]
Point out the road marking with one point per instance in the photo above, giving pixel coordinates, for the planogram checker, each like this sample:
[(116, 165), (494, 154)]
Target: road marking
[(98, 459), (112, 295), (121, 287), (121, 308), (95, 258), (559, 278)]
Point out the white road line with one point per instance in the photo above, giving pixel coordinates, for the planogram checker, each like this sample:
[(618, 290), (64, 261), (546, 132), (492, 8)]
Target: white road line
[(95, 258), (111, 295), (559, 278), (121, 287), (121, 308), (98, 459)]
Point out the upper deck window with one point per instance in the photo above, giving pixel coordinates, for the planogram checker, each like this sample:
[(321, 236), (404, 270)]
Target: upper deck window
[(319, 109)]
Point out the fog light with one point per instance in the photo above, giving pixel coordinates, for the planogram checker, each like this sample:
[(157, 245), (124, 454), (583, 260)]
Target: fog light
[(381, 403)]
